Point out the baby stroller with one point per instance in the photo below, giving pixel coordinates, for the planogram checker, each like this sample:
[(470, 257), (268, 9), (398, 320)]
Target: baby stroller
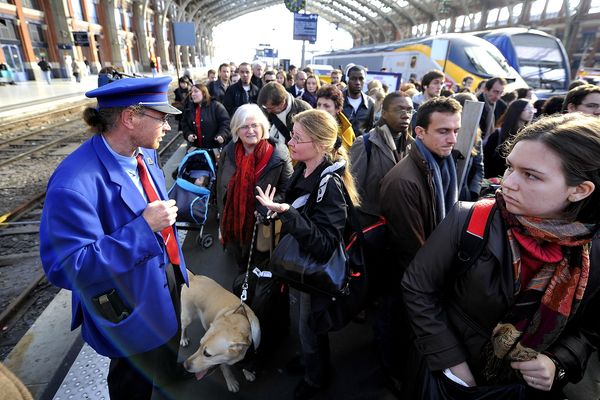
[(191, 191)]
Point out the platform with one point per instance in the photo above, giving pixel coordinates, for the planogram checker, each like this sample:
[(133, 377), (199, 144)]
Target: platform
[(356, 372)]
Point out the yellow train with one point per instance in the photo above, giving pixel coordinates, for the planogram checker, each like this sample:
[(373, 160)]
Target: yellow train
[(457, 54)]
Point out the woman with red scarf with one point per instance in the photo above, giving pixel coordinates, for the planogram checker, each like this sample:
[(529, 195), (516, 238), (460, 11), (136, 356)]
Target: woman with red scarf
[(251, 159), (522, 319)]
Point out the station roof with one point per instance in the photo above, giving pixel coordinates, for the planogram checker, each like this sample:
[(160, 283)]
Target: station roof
[(368, 21)]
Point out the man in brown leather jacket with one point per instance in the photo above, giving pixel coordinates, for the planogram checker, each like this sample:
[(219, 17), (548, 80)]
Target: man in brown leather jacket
[(415, 196)]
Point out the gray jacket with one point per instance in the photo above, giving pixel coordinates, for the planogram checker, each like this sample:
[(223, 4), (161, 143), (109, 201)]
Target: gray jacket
[(369, 170)]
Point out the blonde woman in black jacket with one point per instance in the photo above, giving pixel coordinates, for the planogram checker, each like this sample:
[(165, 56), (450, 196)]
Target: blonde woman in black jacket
[(317, 222)]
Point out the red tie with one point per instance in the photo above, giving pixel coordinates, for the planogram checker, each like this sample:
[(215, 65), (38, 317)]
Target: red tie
[(168, 233)]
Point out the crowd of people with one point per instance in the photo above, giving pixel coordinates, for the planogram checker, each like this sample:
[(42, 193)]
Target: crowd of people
[(518, 321)]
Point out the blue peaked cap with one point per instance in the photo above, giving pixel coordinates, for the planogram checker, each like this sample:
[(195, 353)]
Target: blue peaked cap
[(148, 92)]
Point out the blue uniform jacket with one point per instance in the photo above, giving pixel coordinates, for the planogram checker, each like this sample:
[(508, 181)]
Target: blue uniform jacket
[(93, 238)]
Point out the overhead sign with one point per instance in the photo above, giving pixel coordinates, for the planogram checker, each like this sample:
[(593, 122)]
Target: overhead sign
[(185, 33), (295, 5), (272, 53), (305, 27), (81, 38)]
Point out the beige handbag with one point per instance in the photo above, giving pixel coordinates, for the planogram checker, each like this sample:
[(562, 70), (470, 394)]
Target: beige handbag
[(263, 235)]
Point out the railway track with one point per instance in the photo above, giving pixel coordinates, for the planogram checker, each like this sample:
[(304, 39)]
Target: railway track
[(24, 171)]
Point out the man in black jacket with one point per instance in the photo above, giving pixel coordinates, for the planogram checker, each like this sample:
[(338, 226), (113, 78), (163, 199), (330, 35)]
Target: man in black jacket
[(218, 88), (243, 92), (358, 107), (494, 106), (257, 74), (298, 88)]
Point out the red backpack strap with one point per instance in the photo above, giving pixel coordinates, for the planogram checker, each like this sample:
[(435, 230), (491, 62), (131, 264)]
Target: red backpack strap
[(474, 234)]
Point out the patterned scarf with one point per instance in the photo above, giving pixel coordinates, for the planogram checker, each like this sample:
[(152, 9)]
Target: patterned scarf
[(542, 308), (238, 213)]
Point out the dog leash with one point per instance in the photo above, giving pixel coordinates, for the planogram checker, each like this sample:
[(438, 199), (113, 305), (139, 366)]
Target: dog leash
[(244, 295)]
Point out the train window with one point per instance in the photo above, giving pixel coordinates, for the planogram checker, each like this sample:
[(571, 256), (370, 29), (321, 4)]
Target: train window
[(485, 62), (413, 61), (541, 61)]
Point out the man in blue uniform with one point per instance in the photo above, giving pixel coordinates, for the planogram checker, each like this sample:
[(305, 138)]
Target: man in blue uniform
[(107, 235)]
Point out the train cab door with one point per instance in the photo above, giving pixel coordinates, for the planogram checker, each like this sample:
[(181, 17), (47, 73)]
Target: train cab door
[(439, 52)]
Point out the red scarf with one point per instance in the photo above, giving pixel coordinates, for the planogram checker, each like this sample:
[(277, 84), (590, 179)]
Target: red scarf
[(238, 213), (551, 265), (198, 126)]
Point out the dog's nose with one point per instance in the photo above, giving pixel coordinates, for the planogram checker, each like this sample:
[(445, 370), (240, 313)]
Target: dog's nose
[(185, 365)]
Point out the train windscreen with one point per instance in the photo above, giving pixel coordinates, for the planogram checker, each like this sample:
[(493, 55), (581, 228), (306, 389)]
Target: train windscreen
[(541, 61), (487, 63)]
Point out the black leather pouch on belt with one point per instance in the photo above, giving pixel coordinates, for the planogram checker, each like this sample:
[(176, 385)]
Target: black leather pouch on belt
[(111, 306)]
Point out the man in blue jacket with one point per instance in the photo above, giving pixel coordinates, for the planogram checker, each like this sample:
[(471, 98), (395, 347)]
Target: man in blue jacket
[(107, 235)]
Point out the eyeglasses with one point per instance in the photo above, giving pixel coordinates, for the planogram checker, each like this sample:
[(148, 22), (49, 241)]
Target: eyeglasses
[(164, 119), (246, 128), (274, 108), (298, 141)]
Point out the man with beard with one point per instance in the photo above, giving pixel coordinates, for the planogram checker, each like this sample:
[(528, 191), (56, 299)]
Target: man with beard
[(358, 107), (243, 92)]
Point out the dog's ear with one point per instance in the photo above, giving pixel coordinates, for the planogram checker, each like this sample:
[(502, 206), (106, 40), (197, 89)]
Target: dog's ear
[(238, 346), (254, 326)]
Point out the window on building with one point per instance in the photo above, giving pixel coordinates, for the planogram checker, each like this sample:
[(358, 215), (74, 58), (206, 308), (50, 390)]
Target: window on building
[(434, 27), (537, 8), (503, 16), (151, 26), (573, 4), (36, 33), (594, 7), (118, 19), (128, 20), (29, 4), (8, 30), (93, 16), (492, 17), (460, 21), (553, 9), (476, 20), (77, 12), (587, 40), (517, 10)]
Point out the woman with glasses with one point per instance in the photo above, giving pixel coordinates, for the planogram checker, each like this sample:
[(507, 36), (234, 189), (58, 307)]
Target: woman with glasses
[(251, 159), (519, 113), (204, 123), (317, 220), (521, 319)]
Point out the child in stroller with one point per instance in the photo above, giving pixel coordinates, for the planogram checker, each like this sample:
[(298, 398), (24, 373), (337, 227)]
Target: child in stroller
[(192, 192)]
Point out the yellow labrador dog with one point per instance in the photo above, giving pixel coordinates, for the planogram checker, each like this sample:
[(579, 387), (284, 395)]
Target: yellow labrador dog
[(231, 327)]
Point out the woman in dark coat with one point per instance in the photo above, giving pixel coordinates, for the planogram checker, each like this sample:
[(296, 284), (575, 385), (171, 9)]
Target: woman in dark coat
[(519, 113), (204, 123), (317, 222), (311, 86), (523, 316), (250, 159)]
